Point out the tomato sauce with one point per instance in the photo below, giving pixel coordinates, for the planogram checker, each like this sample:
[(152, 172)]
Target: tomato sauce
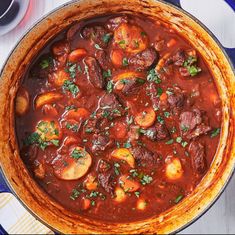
[(118, 118)]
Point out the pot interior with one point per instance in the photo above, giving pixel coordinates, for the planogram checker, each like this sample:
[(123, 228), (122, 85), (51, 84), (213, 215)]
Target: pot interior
[(37, 201)]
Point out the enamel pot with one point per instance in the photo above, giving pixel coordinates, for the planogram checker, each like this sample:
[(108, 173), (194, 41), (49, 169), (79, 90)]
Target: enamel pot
[(16, 176)]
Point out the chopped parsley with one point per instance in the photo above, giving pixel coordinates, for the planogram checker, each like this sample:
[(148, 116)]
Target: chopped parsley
[(107, 74), (137, 194), (184, 128), (159, 91), (107, 37), (77, 153), (122, 44), (97, 46), (184, 144), (70, 107), (129, 120), (45, 63), (171, 141), (75, 194), (191, 67), (125, 61), (178, 199), (127, 144), (134, 172), (116, 168), (110, 86), (160, 119), (178, 139), (72, 127), (143, 34), (72, 69), (167, 114), (153, 77), (71, 87), (215, 132), (146, 179), (88, 130)]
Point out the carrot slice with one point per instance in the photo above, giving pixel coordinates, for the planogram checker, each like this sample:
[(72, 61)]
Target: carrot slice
[(163, 96), (146, 118), (124, 154), (74, 165), (49, 130), (127, 184), (59, 77), (141, 204), (120, 195), (171, 42), (47, 98), (22, 102), (117, 56), (174, 169), (77, 114), (86, 203), (77, 55), (90, 182)]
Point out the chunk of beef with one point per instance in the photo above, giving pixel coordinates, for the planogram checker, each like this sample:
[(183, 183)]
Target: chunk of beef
[(73, 30), (113, 23), (102, 58), (198, 158), (103, 166), (60, 48), (176, 100), (144, 156), (153, 95), (94, 73), (157, 132), (192, 125), (106, 181), (199, 130), (179, 57), (189, 119), (101, 142), (97, 34), (110, 107), (39, 170), (132, 86), (144, 59)]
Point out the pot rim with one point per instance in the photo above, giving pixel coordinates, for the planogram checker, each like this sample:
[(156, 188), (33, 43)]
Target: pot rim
[(209, 206)]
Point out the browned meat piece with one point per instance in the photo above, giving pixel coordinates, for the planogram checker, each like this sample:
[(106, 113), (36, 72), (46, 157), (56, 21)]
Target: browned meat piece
[(145, 157), (101, 142), (94, 73), (189, 119), (198, 158), (179, 58), (176, 100), (97, 34), (144, 59), (102, 58), (106, 181), (153, 95), (110, 107), (39, 171), (103, 166), (73, 30), (134, 133), (113, 23), (159, 45), (192, 125), (132, 86), (199, 130), (60, 48), (157, 132)]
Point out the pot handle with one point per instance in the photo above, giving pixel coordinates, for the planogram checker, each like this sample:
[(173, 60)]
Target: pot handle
[(230, 51), (4, 188)]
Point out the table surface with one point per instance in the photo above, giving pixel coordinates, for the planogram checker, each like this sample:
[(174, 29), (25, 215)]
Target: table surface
[(220, 219)]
